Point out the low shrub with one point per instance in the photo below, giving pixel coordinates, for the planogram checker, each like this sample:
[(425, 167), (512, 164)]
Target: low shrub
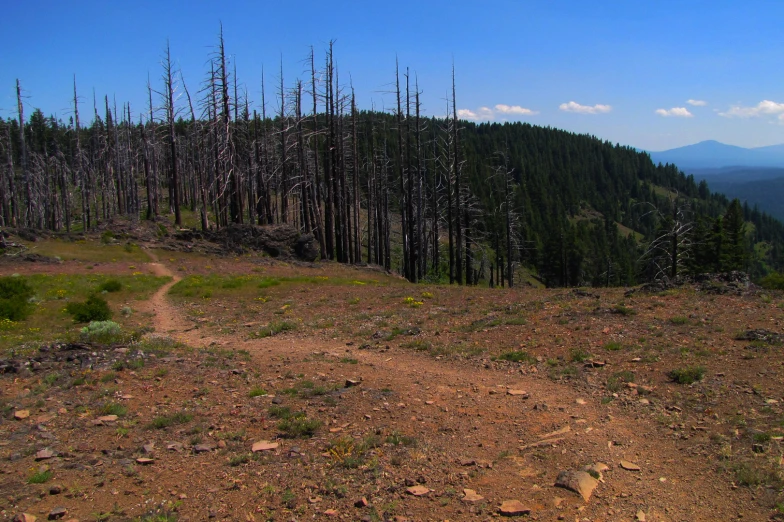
[(517, 356), (110, 285), (104, 332), (688, 375), (94, 309), (15, 293)]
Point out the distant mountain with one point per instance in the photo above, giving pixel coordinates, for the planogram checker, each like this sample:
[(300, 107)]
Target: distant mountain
[(713, 154)]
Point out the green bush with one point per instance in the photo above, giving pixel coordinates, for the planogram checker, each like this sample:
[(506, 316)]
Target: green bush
[(15, 293), (94, 309), (517, 356), (688, 375), (110, 285), (773, 281), (105, 332), (299, 427)]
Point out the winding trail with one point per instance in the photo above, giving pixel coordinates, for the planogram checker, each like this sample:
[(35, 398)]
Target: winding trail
[(166, 317)]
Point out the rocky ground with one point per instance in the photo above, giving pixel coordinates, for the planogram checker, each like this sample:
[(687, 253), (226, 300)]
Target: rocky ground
[(382, 400)]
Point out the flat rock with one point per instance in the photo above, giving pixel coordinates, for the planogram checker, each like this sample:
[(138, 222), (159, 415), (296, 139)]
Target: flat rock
[(331, 512), (108, 418), (148, 448), (57, 513), (517, 393), (470, 496), (144, 461), (21, 414), (264, 445), (597, 469), (174, 446), (203, 448), (581, 482), (352, 382), (418, 491), (629, 466), (513, 508), (44, 454), (24, 517), (640, 517)]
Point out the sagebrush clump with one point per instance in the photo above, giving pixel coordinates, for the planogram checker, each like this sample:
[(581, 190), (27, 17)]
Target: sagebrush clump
[(104, 332)]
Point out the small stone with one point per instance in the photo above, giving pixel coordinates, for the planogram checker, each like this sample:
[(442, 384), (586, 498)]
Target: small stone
[(629, 466), (174, 446), (21, 414), (517, 393), (581, 482), (352, 382), (144, 461), (264, 445), (644, 402), (513, 508), (471, 496), (362, 502), (25, 517), (203, 448), (581, 402), (44, 454), (148, 448), (221, 444), (277, 400), (55, 489), (57, 513), (418, 491), (108, 418), (641, 516), (331, 512)]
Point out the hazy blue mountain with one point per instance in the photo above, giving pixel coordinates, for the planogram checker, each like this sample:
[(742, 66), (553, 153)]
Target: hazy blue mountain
[(713, 154)]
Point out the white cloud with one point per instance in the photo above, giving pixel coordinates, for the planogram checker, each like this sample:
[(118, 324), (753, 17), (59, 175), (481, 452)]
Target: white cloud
[(584, 109), (680, 112), (697, 103), (762, 108), (487, 114), (514, 109), (482, 113)]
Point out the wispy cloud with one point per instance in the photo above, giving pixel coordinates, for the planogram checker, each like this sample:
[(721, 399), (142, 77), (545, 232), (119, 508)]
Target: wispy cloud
[(697, 103), (765, 107), (679, 112), (584, 109), (486, 113), (514, 109)]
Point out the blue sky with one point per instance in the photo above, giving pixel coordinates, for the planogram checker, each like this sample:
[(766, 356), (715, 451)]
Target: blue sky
[(653, 74)]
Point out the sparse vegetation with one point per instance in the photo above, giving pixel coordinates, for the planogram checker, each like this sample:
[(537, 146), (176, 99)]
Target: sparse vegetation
[(688, 375)]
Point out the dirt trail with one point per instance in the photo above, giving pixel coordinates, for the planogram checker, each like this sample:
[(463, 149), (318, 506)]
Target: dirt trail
[(465, 411), (166, 318)]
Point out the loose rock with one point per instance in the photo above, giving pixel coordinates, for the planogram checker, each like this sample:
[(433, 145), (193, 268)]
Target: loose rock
[(629, 466), (418, 491), (471, 496), (581, 482), (264, 445), (513, 508)]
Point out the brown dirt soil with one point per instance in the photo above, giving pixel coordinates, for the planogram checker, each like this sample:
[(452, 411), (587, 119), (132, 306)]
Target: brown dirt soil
[(404, 395)]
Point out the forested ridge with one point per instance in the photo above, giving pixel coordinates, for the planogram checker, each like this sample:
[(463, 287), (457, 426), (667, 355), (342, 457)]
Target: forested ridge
[(432, 198)]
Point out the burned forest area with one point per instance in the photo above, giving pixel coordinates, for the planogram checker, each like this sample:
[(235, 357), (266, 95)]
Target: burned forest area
[(297, 308)]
